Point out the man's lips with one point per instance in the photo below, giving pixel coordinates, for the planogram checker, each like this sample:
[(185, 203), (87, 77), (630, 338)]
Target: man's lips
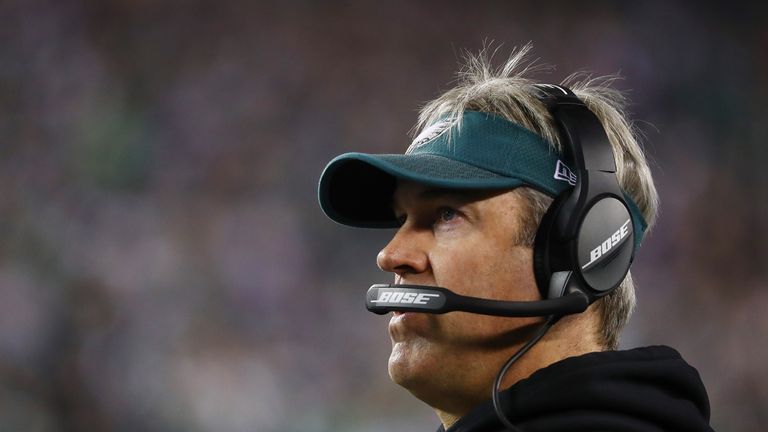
[(403, 325)]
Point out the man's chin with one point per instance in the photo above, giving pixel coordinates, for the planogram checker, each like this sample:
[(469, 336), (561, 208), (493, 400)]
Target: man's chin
[(419, 372), (409, 365)]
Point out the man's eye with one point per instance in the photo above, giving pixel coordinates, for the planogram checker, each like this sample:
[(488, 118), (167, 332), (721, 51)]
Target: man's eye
[(447, 214)]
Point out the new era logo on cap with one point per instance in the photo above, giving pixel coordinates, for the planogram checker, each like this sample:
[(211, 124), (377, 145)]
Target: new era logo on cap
[(563, 173)]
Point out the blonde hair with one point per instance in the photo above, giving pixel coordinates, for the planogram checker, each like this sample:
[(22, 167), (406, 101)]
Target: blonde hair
[(506, 91)]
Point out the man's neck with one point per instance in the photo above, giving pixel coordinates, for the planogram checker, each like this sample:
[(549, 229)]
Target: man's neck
[(446, 419), (560, 343)]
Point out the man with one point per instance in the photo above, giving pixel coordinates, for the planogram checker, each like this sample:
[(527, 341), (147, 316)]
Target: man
[(467, 200)]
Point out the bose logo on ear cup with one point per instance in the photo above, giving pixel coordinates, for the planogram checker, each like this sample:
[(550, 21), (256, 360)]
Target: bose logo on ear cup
[(608, 244)]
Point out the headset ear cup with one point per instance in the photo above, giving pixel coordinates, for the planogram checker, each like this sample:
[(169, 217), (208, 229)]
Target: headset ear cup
[(605, 244), (543, 245)]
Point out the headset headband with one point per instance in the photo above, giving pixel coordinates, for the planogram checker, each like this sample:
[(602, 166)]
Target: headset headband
[(580, 128)]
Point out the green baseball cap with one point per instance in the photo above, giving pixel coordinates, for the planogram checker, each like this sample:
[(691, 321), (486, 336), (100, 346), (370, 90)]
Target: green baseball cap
[(483, 152)]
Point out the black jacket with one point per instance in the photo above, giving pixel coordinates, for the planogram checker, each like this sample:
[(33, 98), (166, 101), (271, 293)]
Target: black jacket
[(644, 389)]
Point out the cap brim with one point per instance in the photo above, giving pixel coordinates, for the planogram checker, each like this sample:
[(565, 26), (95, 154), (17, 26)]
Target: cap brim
[(356, 188)]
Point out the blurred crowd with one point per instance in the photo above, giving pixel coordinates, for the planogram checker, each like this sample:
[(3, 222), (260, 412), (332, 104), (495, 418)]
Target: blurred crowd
[(164, 265)]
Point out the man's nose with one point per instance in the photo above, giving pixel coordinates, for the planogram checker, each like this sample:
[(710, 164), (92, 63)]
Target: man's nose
[(405, 253)]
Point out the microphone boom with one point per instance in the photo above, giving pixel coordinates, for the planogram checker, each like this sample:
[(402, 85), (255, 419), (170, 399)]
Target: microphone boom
[(384, 298)]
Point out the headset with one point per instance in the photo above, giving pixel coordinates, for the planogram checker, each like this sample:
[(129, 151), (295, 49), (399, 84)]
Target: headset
[(584, 245), (587, 234)]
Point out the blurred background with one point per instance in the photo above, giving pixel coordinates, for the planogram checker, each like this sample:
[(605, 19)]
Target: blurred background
[(164, 265)]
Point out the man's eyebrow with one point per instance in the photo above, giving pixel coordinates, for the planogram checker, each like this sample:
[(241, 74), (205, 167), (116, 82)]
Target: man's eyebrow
[(432, 193), (428, 194), (455, 194), (463, 194)]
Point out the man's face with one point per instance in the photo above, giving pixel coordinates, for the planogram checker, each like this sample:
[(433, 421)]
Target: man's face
[(466, 242)]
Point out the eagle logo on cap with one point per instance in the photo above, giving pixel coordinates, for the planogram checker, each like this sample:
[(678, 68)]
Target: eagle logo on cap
[(430, 133)]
